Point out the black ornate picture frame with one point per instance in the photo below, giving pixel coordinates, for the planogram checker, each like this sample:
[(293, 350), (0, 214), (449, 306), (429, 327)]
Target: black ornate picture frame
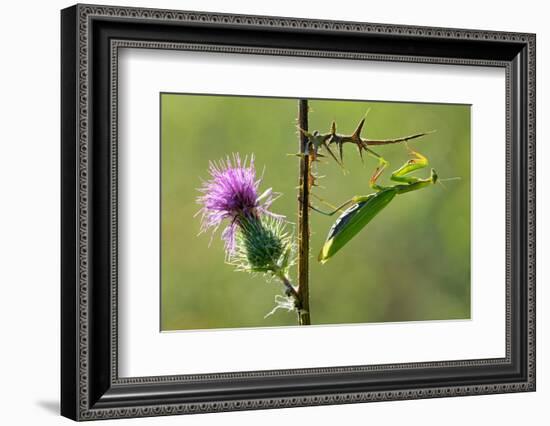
[(90, 385)]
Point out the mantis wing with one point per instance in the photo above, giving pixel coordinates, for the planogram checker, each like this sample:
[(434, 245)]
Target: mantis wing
[(353, 220)]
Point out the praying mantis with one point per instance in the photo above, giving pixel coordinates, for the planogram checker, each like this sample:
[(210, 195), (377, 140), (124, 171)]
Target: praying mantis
[(365, 207), (361, 209)]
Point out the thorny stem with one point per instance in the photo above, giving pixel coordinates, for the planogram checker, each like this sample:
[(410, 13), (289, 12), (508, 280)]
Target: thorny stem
[(303, 217), (318, 139)]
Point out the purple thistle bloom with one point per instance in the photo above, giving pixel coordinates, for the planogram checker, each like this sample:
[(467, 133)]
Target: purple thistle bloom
[(232, 193)]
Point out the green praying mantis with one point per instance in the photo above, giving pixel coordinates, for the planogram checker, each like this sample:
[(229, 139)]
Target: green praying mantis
[(361, 209), (365, 207)]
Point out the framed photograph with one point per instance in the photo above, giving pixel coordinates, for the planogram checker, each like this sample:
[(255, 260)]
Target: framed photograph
[(263, 212)]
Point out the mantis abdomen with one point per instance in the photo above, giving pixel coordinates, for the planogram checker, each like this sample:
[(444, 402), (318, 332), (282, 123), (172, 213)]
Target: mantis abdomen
[(353, 220)]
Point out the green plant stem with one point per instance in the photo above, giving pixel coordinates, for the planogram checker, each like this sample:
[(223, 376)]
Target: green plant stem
[(289, 288)]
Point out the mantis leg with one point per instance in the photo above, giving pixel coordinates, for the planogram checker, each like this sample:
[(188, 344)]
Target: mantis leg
[(382, 164), (336, 209)]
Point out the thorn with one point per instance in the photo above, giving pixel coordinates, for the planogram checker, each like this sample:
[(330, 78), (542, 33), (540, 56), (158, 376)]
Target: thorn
[(333, 128), (357, 133), (331, 153), (360, 148)]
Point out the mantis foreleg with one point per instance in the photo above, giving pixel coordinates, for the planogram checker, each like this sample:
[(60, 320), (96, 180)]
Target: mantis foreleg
[(401, 175)]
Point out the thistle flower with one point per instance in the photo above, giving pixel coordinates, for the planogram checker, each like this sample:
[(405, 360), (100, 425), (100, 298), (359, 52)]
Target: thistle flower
[(232, 193), (256, 239)]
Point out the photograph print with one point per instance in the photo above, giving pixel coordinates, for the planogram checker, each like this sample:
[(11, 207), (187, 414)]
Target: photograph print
[(312, 212)]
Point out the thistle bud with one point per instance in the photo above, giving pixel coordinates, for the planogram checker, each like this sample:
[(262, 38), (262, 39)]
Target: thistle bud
[(262, 245)]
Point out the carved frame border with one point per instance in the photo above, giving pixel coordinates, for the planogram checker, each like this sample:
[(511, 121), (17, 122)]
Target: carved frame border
[(85, 13)]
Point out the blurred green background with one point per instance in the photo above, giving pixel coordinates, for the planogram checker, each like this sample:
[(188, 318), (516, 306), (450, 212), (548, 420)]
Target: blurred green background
[(411, 263)]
